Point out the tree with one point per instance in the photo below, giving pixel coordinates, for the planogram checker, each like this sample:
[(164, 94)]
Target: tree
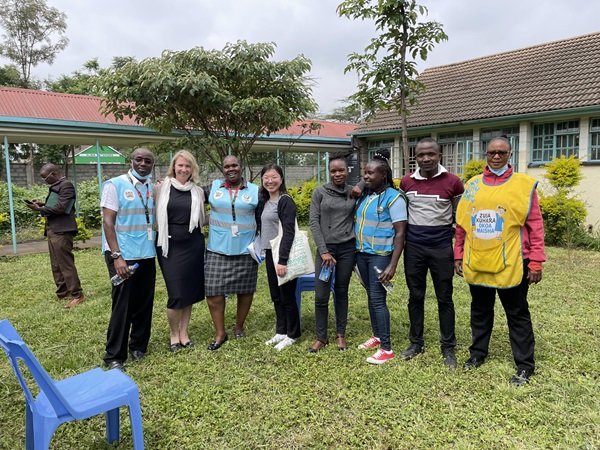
[(9, 76), (220, 101), (349, 112), (33, 33), (389, 81)]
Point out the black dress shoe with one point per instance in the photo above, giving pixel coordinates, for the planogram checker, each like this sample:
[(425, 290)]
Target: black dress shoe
[(214, 345), (521, 377), (174, 347), (449, 358), (473, 362), (137, 355), (188, 344), (317, 346), (412, 351), (116, 365)]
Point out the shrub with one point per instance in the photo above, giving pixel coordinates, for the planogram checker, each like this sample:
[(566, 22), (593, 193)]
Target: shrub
[(83, 234), (473, 168), (89, 203), (562, 217), (23, 215), (562, 212), (302, 196)]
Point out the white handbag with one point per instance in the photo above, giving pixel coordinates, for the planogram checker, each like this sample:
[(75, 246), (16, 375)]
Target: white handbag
[(300, 261)]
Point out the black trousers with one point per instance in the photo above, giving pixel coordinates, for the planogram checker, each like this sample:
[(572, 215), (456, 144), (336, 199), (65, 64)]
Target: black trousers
[(520, 329), (345, 256), (440, 263), (284, 301), (132, 303)]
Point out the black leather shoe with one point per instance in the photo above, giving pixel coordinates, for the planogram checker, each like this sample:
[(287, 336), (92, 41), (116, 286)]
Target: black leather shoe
[(473, 362), (116, 365), (174, 347), (188, 344), (521, 377), (136, 355), (214, 345), (449, 358), (317, 346), (412, 351)]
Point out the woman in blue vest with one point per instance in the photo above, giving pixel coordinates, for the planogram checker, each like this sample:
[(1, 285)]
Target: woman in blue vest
[(229, 267), (380, 228), (277, 207)]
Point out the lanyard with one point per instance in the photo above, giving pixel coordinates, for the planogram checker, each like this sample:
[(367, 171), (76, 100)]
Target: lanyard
[(146, 210), (233, 200)]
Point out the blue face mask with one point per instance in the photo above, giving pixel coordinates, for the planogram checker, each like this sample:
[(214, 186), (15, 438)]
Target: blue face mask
[(499, 172), (139, 177)]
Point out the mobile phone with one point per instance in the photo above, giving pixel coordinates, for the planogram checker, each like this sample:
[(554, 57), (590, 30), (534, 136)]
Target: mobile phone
[(29, 202), (325, 273)]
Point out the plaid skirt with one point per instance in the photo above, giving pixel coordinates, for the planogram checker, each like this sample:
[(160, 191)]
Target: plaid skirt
[(225, 274)]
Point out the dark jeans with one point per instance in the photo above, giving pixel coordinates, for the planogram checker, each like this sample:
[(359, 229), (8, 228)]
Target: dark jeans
[(520, 329), (62, 261), (344, 255), (284, 301), (132, 303), (376, 294), (440, 263)]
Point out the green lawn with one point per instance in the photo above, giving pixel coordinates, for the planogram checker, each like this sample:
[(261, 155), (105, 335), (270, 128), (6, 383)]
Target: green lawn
[(248, 396)]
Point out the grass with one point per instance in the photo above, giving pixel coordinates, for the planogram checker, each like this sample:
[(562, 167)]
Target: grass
[(249, 396)]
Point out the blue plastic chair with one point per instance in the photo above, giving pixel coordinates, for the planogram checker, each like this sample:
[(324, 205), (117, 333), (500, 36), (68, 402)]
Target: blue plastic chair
[(307, 283), (78, 397)]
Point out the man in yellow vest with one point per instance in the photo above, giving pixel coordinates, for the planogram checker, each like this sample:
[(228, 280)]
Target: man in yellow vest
[(500, 248)]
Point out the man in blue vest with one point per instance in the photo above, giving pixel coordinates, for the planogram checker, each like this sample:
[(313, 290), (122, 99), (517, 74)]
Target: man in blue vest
[(128, 223)]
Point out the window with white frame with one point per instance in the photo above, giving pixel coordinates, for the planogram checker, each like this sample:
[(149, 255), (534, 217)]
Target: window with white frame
[(552, 140), (373, 146), (455, 149), (412, 148), (510, 132), (594, 154)]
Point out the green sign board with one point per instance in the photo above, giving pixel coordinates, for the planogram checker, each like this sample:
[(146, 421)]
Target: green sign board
[(108, 155)]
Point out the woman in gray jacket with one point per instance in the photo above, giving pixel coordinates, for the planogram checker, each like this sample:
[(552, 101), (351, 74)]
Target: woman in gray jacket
[(332, 226)]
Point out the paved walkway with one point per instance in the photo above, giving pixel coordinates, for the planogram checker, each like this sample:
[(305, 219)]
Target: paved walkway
[(28, 248)]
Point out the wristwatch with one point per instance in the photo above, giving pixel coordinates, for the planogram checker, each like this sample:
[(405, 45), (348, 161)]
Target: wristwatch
[(116, 255)]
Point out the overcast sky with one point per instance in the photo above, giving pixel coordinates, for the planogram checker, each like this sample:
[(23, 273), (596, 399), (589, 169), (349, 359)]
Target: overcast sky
[(143, 28)]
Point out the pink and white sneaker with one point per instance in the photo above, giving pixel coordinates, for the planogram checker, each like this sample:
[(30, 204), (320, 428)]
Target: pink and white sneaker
[(380, 356), (372, 342)]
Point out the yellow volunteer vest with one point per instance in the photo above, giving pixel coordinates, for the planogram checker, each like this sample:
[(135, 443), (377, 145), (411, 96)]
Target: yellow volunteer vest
[(492, 217)]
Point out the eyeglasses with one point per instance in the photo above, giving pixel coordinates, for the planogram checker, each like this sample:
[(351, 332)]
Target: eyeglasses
[(273, 178), (491, 153), (47, 176)]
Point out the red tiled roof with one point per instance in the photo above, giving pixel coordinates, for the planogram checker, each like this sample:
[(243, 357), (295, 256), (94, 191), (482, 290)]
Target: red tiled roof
[(554, 76), (328, 129), (55, 106), (17, 102)]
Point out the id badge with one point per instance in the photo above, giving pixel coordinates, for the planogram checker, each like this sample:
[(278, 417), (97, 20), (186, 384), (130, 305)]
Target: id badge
[(149, 233), (234, 231)]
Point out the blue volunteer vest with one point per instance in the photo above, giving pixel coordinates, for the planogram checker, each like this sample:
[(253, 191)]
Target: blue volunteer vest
[(221, 221), (131, 226), (374, 230)]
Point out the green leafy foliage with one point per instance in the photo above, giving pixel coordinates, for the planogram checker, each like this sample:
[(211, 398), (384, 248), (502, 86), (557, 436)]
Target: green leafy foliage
[(219, 101), (83, 234), (388, 66), (562, 216), (473, 168), (564, 173), (88, 196), (29, 29), (563, 213), (23, 215), (302, 196)]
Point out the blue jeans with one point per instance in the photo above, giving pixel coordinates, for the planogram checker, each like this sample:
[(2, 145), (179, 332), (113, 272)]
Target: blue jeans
[(376, 294)]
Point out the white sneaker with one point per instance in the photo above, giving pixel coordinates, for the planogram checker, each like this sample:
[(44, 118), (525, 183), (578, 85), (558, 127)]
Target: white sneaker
[(285, 343), (276, 339)]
